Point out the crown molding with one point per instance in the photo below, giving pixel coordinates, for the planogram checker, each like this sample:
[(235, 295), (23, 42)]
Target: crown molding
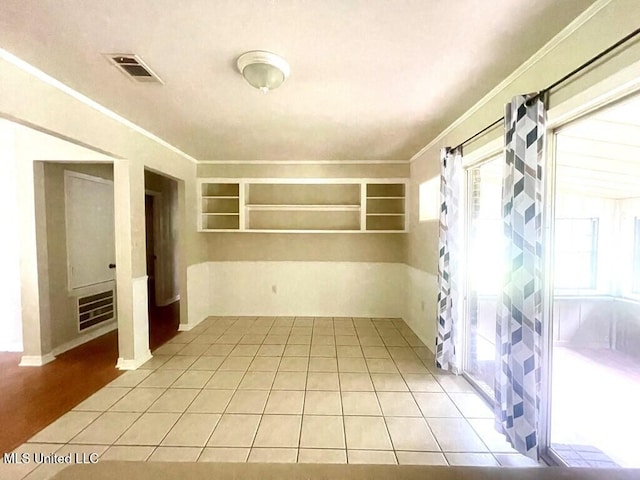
[(303, 162)]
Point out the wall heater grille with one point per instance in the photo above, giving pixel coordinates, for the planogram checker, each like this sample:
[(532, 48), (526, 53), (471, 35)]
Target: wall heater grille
[(95, 309)]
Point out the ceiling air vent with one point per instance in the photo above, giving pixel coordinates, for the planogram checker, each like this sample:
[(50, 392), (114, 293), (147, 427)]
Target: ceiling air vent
[(133, 67)]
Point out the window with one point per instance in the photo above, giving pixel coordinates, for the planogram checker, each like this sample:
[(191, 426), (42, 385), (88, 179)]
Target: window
[(635, 278), (576, 253)]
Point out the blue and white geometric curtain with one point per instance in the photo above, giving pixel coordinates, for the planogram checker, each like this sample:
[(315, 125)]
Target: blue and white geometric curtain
[(449, 247), (519, 314)]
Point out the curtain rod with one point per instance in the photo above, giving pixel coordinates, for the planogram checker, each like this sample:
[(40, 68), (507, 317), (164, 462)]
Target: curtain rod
[(545, 91)]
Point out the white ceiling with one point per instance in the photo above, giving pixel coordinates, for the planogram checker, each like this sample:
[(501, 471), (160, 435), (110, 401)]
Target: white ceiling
[(599, 155), (370, 80)]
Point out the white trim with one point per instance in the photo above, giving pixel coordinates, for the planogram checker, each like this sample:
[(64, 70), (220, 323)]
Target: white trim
[(186, 327), (98, 332), (135, 363), (39, 74), (36, 360), (303, 162), (305, 181), (569, 30), (169, 301), (491, 149)]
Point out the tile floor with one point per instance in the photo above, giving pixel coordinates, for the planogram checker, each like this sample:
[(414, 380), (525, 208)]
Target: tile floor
[(282, 389)]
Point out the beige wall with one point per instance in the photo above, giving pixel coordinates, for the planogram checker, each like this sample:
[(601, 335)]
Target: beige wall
[(64, 322), (600, 27)]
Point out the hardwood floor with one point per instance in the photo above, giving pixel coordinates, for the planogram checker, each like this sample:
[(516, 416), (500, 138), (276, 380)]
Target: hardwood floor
[(33, 397)]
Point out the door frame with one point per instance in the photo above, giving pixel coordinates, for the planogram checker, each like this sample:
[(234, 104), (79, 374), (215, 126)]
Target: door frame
[(157, 231)]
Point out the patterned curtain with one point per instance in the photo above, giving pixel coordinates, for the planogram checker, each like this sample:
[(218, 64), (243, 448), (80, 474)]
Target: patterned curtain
[(519, 317), (449, 248)]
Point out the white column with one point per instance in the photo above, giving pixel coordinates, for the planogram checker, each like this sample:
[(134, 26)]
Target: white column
[(131, 278)]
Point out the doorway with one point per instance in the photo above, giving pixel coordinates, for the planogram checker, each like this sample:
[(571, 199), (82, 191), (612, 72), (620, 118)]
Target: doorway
[(595, 299)]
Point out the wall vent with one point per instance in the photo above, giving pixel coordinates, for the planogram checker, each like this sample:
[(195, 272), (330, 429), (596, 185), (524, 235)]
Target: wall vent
[(95, 309), (133, 67)]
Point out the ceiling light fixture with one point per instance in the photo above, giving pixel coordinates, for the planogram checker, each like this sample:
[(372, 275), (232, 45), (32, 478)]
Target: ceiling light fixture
[(263, 70)]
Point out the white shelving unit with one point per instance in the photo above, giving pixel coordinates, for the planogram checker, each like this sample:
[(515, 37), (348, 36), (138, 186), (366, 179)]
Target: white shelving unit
[(302, 205)]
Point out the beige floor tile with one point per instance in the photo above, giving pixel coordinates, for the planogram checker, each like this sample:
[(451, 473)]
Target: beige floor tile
[(244, 350), (192, 430), (355, 382), (294, 364), (322, 364), (366, 433), (273, 455), (411, 366), (128, 453), (322, 432), (270, 351), (175, 454), (278, 431), (193, 379), (287, 402), (265, 364), (206, 339), (375, 352), (353, 365), (515, 460), (237, 364), (323, 351), (409, 433), (225, 380), (388, 382), (248, 401), (372, 457), (381, 365), (149, 429), (394, 341), (303, 322), (161, 378), (299, 339), (297, 350), (252, 339), (455, 435), (103, 399), (321, 455), (280, 331), (398, 404), (48, 470), (360, 403), (471, 405), (349, 351), (322, 403), (323, 381), (347, 339), (436, 405), (211, 401), (422, 383), (276, 339), (290, 381), (65, 428), (370, 340), (421, 458), (472, 459), (218, 350), (496, 442), (257, 381), (132, 378), (196, 349), (179, 362), (207, 363), (137, 400), (168, 349), (235, 431), (322, 339), (230, 338), (238, 455), (183, 337), (402, 353), (107, 428), (174, 400), (454, 383)]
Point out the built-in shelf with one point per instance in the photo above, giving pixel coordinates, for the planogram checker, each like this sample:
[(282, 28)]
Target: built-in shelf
[(302, 205)]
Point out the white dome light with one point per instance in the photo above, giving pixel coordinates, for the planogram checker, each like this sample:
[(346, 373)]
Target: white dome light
[(263, 70)]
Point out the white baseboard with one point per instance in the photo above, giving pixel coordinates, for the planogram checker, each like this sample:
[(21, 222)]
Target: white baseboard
[(36, 360), (169, 301), (135, 363), (87, 337)]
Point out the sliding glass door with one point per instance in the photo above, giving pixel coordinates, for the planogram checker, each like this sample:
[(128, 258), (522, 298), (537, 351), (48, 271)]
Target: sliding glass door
[(484, 267)]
